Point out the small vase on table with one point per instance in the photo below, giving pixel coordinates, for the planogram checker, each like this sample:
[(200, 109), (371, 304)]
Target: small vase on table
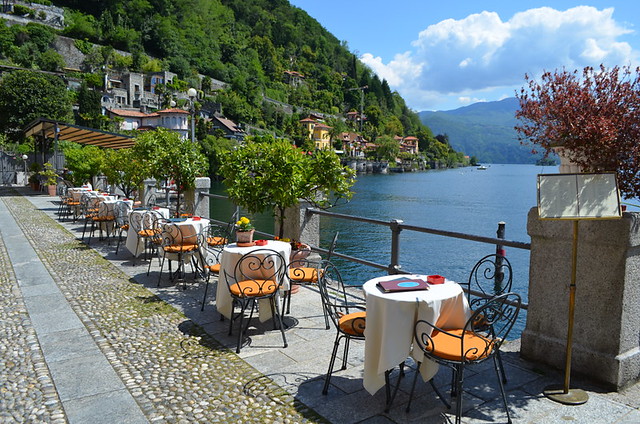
[(244, 238)]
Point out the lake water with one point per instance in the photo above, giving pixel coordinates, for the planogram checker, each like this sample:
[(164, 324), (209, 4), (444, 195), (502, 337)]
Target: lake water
[(465, 200)]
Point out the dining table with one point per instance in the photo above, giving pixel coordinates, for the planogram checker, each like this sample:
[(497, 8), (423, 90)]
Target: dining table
[(135, 243), (230, 256), (391, 317)]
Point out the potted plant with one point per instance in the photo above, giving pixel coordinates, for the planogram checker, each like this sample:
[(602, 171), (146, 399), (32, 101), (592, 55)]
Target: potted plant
[(50, 178), (244, 232), (34, 178)]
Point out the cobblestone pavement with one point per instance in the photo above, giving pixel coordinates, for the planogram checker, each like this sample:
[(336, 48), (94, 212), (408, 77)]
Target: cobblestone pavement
[(27, 393), (175, 371)]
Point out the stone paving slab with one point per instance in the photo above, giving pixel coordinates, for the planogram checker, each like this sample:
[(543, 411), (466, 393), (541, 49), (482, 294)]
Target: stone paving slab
[(203, 336)]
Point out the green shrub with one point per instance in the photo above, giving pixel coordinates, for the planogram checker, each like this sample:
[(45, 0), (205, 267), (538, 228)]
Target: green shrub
[(21, 10)]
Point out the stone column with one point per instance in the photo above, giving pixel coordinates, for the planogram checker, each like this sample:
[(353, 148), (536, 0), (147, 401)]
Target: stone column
[(607, 307), (195, 202), (301, 225), (148, 192)]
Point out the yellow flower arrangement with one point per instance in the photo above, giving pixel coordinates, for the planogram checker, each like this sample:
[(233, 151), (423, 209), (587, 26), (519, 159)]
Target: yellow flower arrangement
[(244, 224)]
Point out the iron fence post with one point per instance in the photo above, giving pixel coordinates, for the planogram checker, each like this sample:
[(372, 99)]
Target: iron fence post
[(500, 253), (394, 266)]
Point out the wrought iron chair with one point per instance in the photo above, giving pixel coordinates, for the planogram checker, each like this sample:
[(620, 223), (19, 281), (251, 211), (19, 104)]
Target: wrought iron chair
[(218, 235), (121, 212), (147, 227), (491, 276), (257, 275), (180, 244), (303, 272), (211, 263), (478, 341), (347, 316)]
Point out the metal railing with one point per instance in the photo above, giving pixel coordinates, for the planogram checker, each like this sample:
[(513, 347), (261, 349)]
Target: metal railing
[(397, 226)]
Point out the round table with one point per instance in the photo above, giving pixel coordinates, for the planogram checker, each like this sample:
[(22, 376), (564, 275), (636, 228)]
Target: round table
[(231, 254), (391, 318)]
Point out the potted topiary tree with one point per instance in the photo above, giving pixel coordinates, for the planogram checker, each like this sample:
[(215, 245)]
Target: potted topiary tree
[(50, 178)]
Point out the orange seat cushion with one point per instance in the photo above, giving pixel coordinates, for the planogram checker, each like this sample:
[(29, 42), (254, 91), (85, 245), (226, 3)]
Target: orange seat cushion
[(125, 227), (444, 346), (251, 288), (147, 233), (103, 218), (216, 241), (304, 274), (353, 323), (180, 248), (215, 268)]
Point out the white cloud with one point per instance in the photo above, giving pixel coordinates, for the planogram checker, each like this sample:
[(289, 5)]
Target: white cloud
[(483, 52)]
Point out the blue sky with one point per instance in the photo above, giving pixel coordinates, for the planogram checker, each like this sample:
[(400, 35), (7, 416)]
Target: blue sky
[(447, 54)]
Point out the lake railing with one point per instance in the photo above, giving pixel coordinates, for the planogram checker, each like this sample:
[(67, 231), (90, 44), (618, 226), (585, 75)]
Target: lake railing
[(397, 226)]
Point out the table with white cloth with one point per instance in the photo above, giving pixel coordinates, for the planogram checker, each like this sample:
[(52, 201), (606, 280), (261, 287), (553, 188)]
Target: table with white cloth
[(391, 318), (230, 256), (134, 243), (76, 192)]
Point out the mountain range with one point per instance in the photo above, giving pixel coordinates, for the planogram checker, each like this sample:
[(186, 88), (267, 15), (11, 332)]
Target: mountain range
[(484, 130)]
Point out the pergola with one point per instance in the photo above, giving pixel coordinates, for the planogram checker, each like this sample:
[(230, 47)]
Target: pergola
[(50, 129)]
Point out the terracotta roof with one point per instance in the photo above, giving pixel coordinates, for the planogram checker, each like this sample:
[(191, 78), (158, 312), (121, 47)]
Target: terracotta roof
[(173, 110), (229, 124), (307, 120), (410, 138), (322, 125), (129, 113)]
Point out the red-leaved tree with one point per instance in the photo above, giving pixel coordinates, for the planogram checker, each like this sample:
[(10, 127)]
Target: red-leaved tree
[(594, 117)]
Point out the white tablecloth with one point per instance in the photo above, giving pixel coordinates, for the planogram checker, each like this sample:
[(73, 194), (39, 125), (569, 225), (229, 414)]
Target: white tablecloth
[(231, 254), (135, 244), (390, 324)]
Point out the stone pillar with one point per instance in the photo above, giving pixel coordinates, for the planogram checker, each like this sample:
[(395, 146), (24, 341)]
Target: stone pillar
[(148, 192), (607, 307), (301, 225), (195, 202)]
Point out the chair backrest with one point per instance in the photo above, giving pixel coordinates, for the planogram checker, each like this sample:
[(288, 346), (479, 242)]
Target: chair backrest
[(261, 269), (121, 213), (219, 235), (490, 276), (177, 235), (332, 246), (479, 339), (335, 299)]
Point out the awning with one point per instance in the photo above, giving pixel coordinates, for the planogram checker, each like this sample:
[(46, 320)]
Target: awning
[(47, 128)]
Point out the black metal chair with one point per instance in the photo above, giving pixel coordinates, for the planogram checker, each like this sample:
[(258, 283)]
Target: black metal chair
[(211, 263), (147, 227), (348, 317), (180, 244), (257, 275), (303, 272), (491, 276), (218, 236), (478, 341), (121, 212)]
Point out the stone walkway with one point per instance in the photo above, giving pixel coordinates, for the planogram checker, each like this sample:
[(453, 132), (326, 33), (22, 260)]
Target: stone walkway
[(87, 337)]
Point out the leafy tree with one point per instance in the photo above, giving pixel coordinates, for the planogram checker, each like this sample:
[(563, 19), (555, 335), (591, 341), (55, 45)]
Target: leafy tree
[(388, 148), (26, 96), (51, 60), (168, 157), (592, 116), (83, 162), (125, 170), (272, 176)]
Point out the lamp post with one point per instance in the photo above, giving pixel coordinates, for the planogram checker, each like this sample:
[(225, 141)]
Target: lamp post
[(192, 93), (24, 159)]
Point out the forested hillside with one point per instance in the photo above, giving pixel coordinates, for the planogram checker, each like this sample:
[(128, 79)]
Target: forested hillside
[(248, 44), (484, 130)]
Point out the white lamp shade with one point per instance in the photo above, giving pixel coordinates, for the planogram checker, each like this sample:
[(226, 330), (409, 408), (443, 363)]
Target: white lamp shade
[(192, 92)]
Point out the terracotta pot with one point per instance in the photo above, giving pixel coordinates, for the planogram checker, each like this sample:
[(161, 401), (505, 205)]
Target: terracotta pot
[(244, 238), (52, 190)]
